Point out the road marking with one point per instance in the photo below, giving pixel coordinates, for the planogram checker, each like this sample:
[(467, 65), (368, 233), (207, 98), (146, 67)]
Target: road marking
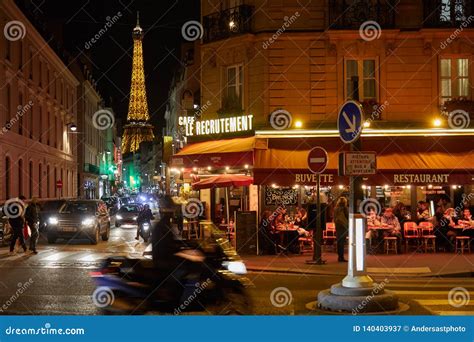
[(440, 302), (55, 256), (421, 292)]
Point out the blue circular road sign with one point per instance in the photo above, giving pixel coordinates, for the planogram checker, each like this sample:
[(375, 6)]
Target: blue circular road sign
[(349, 121)]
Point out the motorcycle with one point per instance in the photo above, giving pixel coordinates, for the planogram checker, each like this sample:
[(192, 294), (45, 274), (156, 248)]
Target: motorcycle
[(145, 230), (210, 278)]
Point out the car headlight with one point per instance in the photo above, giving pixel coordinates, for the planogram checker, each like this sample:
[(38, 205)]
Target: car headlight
[(146, 226), (134, 218), (237, 267), (53, 220), (119, 217), (88, 222)]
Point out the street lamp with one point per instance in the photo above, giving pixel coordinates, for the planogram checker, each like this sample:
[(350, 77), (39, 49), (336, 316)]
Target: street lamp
[(72, 126)]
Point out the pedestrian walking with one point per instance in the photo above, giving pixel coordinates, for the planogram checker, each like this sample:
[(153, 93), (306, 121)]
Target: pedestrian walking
[(15, 212), (32, 219), (341, 219)]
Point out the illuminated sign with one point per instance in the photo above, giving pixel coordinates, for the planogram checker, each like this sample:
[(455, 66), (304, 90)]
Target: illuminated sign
[(312, 178), (421, 178), (234, 124)]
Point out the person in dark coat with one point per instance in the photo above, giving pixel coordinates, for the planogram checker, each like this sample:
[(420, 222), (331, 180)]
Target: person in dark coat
[(32, 219), (341, 220), (145, 215), (15, 212)]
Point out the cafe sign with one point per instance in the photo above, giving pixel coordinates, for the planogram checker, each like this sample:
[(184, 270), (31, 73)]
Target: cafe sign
[(305, 178), (219, 126)]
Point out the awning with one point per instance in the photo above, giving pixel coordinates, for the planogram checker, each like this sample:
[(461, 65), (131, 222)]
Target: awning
[(400, 160), (219, 153), (223, 181)]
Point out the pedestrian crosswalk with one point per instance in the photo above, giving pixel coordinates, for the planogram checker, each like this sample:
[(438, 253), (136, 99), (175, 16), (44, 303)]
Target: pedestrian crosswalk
[(52, 256), (441, 296)]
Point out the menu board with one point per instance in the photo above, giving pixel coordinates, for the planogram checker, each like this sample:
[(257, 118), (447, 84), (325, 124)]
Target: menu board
[(280, 196), (246, 232)]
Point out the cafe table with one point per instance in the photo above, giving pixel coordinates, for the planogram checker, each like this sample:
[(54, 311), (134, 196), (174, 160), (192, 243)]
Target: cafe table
[(289, 237), (378, 248)]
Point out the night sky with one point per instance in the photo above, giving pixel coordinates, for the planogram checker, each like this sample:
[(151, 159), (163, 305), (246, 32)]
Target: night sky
[(75, 22)]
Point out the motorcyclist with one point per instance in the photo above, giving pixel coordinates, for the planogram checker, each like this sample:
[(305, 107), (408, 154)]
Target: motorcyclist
[(145, 215)]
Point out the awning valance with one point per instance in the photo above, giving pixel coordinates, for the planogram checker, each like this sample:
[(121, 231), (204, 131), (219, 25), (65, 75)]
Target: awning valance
[(400, 160)]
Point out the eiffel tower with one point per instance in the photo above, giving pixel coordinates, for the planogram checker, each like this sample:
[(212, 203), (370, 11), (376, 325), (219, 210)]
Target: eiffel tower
[(138, 128)]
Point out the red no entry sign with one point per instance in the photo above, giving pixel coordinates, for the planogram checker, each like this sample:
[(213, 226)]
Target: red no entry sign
[(59, 184), (317, 160)]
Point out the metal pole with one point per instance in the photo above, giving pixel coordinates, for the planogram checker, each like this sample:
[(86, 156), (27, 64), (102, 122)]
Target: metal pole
[(317, 236)]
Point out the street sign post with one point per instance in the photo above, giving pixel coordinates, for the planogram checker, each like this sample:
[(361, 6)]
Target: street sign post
[(317, 163), (349, 122), (357, 163), (59, 185)]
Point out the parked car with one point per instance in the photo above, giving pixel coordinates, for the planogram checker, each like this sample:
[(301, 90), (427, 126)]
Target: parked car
[(48, 209), (80, 219), (127, 214), (5, 229)]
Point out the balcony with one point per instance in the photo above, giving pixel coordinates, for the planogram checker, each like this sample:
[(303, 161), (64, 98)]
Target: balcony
[(227, 23), (351, 14), (448, 13)]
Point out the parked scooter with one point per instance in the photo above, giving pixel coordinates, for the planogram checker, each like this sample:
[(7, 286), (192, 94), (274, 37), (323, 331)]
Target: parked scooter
[(210, 277)]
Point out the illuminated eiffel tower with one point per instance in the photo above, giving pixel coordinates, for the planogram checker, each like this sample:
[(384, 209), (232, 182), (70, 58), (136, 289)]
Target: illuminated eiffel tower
[(138, 128)]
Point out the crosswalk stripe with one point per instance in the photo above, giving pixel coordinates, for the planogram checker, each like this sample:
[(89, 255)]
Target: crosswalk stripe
[(455, 313), (422, 292), (56, 256), (430, 302)]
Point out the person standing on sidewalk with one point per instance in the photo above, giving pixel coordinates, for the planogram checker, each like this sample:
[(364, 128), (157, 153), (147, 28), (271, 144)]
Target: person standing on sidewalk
[(341, 220), (32, 219), (15, 212)]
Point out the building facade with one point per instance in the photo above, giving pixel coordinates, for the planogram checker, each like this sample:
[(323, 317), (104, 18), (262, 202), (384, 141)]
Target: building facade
[(37, 105), (280, 71)]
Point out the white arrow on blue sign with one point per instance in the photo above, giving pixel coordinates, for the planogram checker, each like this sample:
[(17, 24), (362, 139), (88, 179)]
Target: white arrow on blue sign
[(349, 121)]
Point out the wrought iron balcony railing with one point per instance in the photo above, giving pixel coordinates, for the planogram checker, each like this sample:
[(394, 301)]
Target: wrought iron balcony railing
[(227, 23), (448, 13), (351, 14)]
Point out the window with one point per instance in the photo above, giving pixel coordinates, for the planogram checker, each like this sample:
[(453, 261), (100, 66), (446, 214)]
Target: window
[(234, 82), (40, 180), (31, 65), (7, 177), (40, 115), (32, 121), (454, 78), (361, 79), (48, 183), (30, 177), (20, 113), (20, 177), (20, 56), (48, 129), (9, 101)]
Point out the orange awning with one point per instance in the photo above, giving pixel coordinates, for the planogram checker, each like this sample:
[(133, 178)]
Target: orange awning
[(286, 158), (219, 153)]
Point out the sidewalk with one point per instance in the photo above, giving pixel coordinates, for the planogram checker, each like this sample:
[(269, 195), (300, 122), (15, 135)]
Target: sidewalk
[(403, 265)]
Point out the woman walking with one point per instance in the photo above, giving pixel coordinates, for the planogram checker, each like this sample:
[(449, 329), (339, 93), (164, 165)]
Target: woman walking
[(341, 220)]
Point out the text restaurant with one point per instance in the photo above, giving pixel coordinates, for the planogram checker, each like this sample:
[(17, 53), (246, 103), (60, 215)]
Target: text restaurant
[(418, 173)]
